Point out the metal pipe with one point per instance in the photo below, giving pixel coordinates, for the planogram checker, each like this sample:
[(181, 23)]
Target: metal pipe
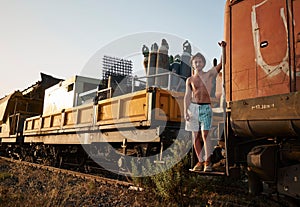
[(169, 81), (132, 84)]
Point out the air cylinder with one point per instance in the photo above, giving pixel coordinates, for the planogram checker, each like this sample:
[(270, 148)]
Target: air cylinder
[(162, 64)]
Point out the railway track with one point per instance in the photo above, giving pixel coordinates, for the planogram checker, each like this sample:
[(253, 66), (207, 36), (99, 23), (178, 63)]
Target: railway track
[(90, 177)]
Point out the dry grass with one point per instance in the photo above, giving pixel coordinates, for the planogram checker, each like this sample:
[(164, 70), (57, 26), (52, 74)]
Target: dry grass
[(25, 186)]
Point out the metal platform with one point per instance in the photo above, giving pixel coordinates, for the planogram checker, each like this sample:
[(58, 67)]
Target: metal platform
[(213, 173)]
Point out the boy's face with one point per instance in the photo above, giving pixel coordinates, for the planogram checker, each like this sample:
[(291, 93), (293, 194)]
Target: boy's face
[(197, 63)]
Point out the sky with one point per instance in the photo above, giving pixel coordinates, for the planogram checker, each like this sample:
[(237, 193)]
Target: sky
[(64, 38)]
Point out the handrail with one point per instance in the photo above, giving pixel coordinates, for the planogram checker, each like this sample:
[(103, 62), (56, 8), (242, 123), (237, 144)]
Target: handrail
[(169, 74)]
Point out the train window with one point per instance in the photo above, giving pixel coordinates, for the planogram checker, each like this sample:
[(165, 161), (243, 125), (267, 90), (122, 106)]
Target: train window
[(89, 86), (70, 87)]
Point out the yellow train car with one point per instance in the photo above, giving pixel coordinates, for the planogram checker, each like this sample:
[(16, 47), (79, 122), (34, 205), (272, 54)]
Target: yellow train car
[(141, 116)]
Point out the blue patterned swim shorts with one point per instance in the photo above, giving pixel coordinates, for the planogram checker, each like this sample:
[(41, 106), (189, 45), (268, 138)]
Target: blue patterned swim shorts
[(200, 115)]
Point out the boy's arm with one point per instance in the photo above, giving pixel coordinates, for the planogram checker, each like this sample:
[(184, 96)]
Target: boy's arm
[(219, 66), (187, 99)]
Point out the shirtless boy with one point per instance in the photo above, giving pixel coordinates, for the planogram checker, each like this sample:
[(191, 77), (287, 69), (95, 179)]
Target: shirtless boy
[(197, 108)]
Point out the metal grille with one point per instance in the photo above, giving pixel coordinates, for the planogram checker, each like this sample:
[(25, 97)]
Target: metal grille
[(113, 66)]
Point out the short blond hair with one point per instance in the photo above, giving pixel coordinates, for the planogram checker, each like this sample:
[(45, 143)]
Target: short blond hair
[(199, 55)]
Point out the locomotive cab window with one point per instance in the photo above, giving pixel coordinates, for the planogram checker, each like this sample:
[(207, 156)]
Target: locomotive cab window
[(70, 87)]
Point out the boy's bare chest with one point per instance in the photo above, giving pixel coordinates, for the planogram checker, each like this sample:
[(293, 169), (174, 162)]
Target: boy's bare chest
[(198, 84)]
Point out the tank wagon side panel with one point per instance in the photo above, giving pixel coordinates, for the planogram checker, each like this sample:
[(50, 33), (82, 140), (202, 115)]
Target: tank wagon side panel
[(253, 68), (273, 116), (111, 120)]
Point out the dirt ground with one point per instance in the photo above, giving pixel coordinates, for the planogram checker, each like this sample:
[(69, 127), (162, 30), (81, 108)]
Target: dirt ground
[(26, 186)]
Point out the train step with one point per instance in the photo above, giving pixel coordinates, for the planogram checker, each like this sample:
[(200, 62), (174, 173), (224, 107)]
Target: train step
[(213, 173)]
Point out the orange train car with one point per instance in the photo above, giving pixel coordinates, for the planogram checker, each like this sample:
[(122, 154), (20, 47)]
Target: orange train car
[(262, 83)]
